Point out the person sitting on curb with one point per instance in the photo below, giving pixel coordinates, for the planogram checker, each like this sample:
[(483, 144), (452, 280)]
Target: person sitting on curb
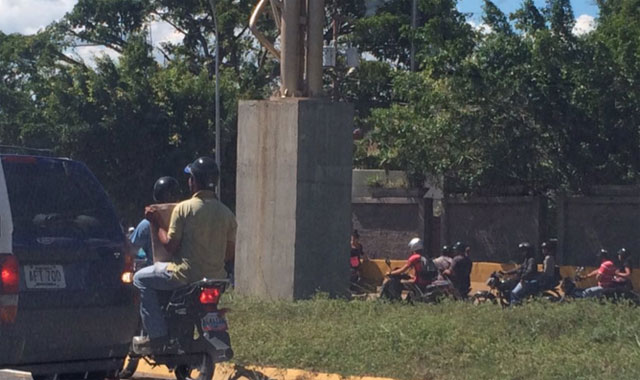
[(604, 275)]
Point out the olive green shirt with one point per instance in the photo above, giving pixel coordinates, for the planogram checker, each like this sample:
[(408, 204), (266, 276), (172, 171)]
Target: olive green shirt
[(204, 226)]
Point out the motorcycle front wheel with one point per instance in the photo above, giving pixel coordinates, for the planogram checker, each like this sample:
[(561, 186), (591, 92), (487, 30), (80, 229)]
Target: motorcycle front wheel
[(203, 370)]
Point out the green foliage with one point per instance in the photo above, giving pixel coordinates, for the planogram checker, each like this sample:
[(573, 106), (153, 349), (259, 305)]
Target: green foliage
[(452, 340), (538, 107), (132, 119)]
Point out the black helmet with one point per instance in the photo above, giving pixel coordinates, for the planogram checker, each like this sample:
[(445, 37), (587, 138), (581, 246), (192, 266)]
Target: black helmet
[(602, 254), (166, 189), (446, 249), (524, 246), (459, 247), (549, 245), (623, 253), (205, 171)]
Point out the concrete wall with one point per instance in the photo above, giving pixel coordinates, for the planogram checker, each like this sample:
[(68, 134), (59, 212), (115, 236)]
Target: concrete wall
[(493, 226), (293, 197), (587, 224), (386, 225)]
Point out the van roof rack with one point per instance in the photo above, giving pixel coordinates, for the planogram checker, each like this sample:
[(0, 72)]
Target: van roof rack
[(13, 149)]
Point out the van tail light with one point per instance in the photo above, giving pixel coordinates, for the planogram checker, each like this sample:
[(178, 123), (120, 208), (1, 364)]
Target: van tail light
[(9, 287), (127, 272), (209, 296)]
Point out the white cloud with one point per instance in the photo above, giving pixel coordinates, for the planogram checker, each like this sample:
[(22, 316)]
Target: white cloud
[(480, 27), (29, 16), (162, 31), (88, 54), (584, 25)]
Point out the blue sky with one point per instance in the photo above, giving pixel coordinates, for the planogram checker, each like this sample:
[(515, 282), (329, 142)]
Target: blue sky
[(580, 7)]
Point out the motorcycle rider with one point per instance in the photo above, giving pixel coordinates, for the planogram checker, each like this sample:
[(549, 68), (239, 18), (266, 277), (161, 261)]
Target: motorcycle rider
[(623, 274), (165, 190), (200, 237), (460, 270), (548, 277), (415, 261), (604, 274), (527, 272)]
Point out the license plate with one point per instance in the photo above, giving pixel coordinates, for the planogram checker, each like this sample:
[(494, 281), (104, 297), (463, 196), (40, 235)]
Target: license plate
[(44, 277), (214, 322)]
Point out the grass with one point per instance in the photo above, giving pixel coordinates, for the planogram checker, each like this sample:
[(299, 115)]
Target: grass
[(453, 340)]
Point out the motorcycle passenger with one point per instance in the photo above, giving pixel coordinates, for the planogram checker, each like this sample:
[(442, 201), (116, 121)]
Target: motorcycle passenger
[(443, 262), (200, 238), (527, 272), (460, 270), (604, 274), (421, 277), (623, 274), (549, 277), (165, 190)]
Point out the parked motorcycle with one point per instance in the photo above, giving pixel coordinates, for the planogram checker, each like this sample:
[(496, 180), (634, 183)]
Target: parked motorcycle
[(198, 337), (500, 291)]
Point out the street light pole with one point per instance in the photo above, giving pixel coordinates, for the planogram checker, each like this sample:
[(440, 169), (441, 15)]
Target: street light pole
[(414, 22), (217, 96)]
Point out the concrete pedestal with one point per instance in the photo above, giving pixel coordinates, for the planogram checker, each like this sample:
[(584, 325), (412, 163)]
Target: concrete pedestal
[(293, 199)]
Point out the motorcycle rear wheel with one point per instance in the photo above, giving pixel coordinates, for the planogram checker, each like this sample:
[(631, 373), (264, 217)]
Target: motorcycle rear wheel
[(483, 297), (203, 370)]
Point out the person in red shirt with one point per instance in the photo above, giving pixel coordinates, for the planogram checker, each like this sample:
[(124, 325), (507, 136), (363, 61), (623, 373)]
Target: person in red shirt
[(604, 274), (417, 258)]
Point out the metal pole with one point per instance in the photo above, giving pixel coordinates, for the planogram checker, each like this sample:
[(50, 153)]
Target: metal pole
[(217, 96), (289, 42), (414, 22), (314, 46)]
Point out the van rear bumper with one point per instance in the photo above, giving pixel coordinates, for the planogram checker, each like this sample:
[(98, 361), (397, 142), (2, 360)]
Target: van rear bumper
[(73, 366), (38, 338)]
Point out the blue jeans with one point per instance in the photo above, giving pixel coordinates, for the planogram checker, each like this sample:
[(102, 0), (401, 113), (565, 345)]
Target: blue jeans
[(149, 280), (523, 289)]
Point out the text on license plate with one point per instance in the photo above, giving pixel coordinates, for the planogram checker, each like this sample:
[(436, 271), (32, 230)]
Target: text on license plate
[(44, 277), (214, 322)]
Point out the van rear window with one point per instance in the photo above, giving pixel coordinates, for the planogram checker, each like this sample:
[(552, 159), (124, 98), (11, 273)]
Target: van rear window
[(57, 198)]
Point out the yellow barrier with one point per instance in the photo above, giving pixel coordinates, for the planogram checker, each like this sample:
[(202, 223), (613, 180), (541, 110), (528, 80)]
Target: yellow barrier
[(373, 272)]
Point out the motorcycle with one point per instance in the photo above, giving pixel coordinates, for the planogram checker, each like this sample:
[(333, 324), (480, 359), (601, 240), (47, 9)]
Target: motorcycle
[(198, 337), (392, 289), (623, 292), (500, 291)]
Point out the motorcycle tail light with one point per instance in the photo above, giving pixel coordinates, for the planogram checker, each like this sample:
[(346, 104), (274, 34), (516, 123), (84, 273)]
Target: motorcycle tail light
[(127, 273), (209, 296)]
